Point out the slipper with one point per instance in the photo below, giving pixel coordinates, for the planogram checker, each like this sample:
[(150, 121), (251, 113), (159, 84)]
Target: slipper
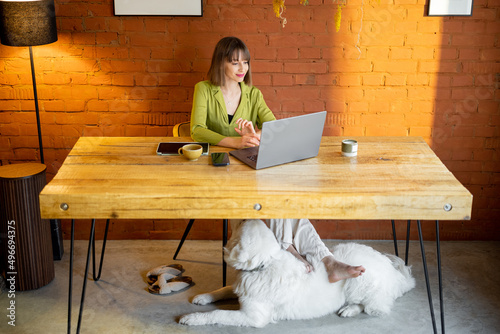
[(171, 269), (163, 286), (165, 279)]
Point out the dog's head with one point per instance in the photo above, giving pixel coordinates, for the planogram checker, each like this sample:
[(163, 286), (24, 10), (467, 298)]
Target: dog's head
[(251, 246)]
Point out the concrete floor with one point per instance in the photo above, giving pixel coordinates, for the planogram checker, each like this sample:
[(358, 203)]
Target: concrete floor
[(120, 302)]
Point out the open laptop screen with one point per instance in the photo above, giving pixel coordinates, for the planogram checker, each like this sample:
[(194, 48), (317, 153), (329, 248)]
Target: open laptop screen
[(286, 140)]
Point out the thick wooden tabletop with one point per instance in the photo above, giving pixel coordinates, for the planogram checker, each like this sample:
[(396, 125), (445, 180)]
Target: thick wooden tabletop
[(391, 178)]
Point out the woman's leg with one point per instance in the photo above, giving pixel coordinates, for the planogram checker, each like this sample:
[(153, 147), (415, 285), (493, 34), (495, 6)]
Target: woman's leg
[(300, 233), (283, 231), (309, 267)]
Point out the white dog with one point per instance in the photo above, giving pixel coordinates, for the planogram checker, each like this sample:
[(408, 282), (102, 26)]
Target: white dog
[(273, 285)]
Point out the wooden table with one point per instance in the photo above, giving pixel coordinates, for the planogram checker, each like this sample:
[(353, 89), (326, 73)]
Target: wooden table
[(391, 178), (123, 178)]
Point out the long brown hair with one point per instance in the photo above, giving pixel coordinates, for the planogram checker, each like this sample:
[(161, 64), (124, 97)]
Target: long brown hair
[(228, 49)]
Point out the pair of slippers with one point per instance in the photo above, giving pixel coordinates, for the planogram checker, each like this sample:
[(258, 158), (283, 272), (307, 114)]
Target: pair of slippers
[(165, 279)]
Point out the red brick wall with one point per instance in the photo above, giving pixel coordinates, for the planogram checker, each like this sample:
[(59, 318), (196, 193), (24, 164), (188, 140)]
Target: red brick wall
[(390, 70)]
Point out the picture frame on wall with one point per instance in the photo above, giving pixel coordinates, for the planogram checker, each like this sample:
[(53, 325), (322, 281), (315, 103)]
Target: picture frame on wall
[(450, 7), (159, 7)]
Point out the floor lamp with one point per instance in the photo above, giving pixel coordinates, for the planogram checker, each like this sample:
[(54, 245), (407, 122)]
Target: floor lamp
[(29, 23)]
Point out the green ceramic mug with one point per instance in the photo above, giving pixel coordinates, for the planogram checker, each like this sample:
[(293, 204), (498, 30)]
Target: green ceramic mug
[(349, 148)]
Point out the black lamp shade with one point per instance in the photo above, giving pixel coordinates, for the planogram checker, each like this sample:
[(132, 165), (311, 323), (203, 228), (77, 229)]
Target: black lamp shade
[(27, 23)]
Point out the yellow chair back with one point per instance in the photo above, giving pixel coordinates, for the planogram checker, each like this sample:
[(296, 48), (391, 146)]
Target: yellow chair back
[(182, 129)]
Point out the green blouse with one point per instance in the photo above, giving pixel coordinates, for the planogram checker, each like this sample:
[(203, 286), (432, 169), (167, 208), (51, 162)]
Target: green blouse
[(209, 119)]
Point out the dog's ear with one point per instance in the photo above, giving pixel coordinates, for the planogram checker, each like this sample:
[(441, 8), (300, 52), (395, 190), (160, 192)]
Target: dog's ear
[(235, 224), (251, 246), (236, 256)]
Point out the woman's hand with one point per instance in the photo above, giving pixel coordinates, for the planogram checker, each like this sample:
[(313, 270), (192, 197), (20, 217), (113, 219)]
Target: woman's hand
[(246, 127), (247, 140), (250, 136)]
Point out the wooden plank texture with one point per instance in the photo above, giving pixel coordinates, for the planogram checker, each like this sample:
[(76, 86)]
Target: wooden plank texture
[(391, 178)]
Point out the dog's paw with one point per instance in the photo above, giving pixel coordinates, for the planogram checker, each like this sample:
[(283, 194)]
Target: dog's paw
[(352, 310), (193, 319), (379, 311), (202, 299)]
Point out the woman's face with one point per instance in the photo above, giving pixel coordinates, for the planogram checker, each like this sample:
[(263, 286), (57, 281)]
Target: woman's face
[(236, 69)]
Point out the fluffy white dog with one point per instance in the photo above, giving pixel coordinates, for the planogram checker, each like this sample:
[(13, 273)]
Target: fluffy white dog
[(273, 285)]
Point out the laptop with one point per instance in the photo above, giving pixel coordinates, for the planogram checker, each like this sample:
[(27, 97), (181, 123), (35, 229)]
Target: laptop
[(285, 140)]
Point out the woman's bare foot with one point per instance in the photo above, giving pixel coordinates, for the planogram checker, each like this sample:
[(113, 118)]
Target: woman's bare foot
[(338, 271), (309, 267)]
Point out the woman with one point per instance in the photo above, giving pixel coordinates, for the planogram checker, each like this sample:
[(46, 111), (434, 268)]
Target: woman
[(227, 105), (225, 109)]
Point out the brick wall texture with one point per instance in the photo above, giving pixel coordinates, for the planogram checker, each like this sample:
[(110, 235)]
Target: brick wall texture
[(391, 70)]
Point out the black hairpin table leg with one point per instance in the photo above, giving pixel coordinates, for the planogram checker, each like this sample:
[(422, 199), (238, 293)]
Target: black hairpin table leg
[(441, 304), (184, 236), (70, 292), (394, 237), (408, 224), (407, 239), (427, 278), (224, 242), (91, 246), (96, 278)]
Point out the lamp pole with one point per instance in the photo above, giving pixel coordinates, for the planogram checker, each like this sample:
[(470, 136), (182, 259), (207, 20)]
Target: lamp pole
[(37, 111)]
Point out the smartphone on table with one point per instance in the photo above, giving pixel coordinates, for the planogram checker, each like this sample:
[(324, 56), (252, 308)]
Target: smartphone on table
[(220, 159)]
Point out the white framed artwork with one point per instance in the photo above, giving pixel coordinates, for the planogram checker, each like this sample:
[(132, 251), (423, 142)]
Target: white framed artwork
[(450, 7), (159, 7)]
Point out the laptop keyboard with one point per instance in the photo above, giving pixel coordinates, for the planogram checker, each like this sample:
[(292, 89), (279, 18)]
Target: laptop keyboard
[(253, 157)]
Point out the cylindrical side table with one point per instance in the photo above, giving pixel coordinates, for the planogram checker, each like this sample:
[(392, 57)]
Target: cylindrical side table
[(26, 251)]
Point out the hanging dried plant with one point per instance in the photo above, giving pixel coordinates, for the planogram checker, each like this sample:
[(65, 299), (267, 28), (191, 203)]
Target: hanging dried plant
[(279, 7), (338, 14)]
